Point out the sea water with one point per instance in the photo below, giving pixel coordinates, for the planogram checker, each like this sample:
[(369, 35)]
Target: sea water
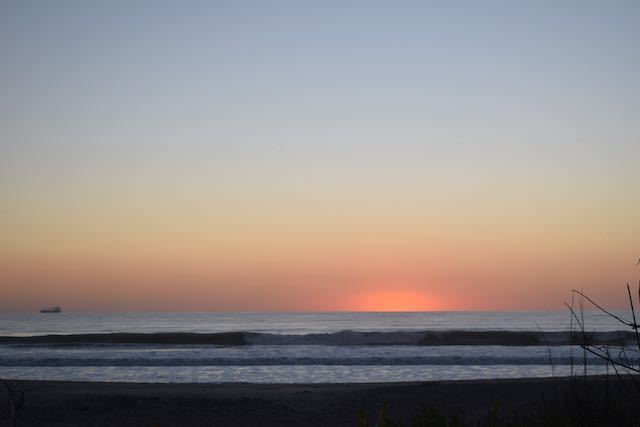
[(296, 347)]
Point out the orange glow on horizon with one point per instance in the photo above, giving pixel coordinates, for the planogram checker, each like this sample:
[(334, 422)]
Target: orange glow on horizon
[(394, 300)]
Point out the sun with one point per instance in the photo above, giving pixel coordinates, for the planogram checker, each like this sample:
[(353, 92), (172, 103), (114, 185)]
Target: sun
[(393, 300)]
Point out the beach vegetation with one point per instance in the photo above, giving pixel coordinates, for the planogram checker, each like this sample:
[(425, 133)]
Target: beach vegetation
[(622, 358)]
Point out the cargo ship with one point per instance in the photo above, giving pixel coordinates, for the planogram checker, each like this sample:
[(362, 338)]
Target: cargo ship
[(54, 309)]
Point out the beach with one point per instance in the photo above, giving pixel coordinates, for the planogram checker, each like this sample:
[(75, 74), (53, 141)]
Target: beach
[(330, 213), (60, 403), (307, 369)]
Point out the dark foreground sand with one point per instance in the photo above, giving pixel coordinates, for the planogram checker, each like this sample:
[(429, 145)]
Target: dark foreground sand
[(54, 403)]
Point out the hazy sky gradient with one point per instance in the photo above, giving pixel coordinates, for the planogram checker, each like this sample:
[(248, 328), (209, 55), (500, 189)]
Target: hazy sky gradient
[(318, 155)]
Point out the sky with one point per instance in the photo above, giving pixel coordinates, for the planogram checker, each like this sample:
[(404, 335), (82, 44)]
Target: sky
[(333, 155)]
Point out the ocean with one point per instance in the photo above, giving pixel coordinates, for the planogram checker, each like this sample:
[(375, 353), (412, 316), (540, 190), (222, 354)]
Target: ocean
[(296, 347)]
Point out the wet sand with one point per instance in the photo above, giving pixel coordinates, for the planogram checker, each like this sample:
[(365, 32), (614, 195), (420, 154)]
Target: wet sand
[(55, 403)]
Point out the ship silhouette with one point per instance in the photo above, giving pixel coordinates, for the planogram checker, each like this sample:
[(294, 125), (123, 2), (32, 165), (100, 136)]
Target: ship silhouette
[(52, 309)]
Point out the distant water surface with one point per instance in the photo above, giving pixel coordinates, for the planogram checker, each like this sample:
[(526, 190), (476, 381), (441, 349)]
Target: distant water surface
[(288, 323)]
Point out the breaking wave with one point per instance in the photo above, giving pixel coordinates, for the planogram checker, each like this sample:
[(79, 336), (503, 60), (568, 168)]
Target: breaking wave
[(342, 338), (293, 361)]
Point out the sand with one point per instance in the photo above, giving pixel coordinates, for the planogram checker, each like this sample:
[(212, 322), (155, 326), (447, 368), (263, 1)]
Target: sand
[(55, 403)]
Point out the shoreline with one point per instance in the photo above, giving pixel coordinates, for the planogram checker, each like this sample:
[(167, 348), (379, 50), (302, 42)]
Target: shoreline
[(71, 403)]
